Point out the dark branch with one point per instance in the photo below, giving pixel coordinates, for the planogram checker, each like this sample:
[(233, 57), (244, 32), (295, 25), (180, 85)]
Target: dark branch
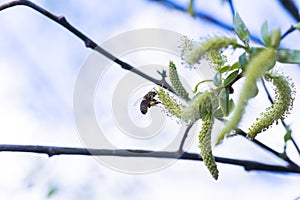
[(290, 30), (231, 7), (52, 151), (268, 149), (292, 9), (89, 43), (186, 133), (202, 16)]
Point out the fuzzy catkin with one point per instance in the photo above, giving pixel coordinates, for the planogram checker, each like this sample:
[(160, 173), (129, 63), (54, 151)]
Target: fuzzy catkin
[(205, 147), (170, 105), (176, 83), (281, 106), (196, 107), (209, 45), (256, 68)]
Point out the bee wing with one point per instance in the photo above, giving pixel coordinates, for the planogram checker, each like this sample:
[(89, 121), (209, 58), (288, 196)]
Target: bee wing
[(138, 101)]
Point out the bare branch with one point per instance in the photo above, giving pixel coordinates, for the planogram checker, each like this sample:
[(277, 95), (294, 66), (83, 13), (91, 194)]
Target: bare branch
[(89, 43), (202, 16), (291, 8), (187, 130), (268, 149), (52, 151)]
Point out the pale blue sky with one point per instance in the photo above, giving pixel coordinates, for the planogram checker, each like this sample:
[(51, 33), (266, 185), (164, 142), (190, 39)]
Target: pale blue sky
[(39, 63)]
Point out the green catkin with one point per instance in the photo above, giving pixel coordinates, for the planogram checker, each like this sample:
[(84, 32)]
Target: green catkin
[(256, 68), (203, 49), (171, 106), (194, 110), (176, 83), (280, 108), (205, 146)]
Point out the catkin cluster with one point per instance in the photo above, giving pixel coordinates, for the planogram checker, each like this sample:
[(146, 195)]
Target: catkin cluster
[(256, 68), (205, 146), (280, 107), (212, 44), (197, 107)]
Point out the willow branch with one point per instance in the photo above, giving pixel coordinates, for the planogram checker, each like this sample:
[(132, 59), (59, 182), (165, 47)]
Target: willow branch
[(54, 151), (291, 8), (89, 43), (202, 16), (268, 149)]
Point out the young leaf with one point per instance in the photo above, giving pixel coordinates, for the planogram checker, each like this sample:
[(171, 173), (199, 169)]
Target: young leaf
[(224, 101), (275, 38), (241, 29), (230, 78), (288, 56), (287, 136), (243, 60), (217, 79), (264, 31)]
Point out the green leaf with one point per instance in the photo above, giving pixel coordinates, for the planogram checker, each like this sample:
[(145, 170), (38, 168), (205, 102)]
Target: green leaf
[(231, 106), (243, 60), (264, 31), (275, 37), (287, 136), (230, 78), (218, 113), (225, 69), (224, 101), (217, 80), (298, 26), (52, 190), (236, 65), (288, 56), (241, 29), (228, 68), (190, 8)]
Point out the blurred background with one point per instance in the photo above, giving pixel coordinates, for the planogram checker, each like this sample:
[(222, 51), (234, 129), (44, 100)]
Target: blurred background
[(39, 64)]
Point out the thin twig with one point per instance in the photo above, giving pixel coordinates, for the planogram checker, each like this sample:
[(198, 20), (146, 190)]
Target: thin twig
[(231, 7), (202, 16), (290, 30), (53, 151), (292, 9), (187, 130), (89, 43), (268, 149)]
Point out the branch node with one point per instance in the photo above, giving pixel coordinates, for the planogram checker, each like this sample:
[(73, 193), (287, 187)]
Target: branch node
[(62, 19)]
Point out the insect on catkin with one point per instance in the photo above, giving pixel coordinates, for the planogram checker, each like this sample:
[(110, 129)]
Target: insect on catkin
[(171, 106)]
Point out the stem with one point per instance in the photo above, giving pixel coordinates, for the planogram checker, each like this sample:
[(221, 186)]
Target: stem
[(290, 30), (184, 138), (53, 151)]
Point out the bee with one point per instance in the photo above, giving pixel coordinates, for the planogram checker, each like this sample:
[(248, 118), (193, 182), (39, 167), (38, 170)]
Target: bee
[(148, 101)]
